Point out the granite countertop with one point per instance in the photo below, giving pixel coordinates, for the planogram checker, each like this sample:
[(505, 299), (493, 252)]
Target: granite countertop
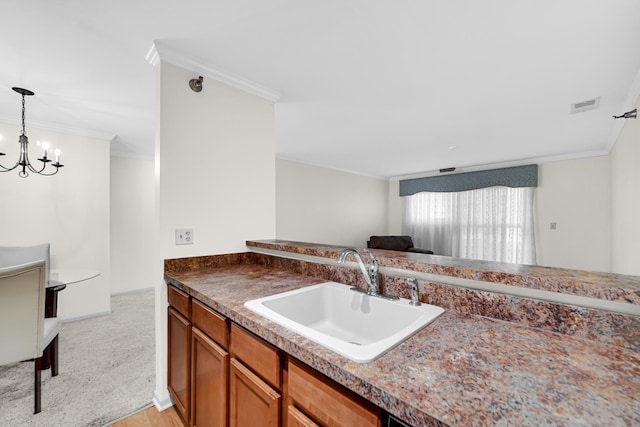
[(606, 286), (462, 369)]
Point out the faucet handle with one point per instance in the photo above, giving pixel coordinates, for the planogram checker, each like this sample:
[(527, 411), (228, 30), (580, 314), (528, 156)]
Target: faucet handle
[(415, 299), (372, 259)]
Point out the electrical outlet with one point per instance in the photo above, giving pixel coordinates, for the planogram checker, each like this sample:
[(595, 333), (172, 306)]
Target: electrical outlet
[(184, 236), (553, 225)]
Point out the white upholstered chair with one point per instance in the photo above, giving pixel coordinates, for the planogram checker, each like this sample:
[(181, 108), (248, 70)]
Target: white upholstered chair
[(16, 255), (24, 331)]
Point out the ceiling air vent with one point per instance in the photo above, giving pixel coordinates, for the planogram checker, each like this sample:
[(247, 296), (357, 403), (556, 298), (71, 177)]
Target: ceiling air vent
[(582, 106)]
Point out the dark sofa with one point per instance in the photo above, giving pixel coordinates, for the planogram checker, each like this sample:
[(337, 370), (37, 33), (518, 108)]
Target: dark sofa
[(395, 243)]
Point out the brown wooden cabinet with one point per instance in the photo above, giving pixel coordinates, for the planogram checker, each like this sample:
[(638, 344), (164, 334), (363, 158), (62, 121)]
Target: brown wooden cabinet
[(323, 401), (209, 376), (198, 373), (255, 381), (252, 401), (222, 375), (295, 418), (179, 358)]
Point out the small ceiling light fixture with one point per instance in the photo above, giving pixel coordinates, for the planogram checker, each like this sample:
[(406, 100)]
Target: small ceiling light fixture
[(587, 105), (628, 115), (196, 84), (23, 159)]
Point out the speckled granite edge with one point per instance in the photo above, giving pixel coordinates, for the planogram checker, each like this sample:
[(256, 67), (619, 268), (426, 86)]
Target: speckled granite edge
[(606, 286), (177, 265), (599, 326)]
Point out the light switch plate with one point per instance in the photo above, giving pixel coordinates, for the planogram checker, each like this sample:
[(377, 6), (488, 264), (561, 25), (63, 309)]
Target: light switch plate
[(184, 236)]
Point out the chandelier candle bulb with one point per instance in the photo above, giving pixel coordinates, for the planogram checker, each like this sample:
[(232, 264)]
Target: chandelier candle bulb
[(57, 153)]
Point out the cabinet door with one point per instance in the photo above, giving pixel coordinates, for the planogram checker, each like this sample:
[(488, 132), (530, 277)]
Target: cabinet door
[(179, 348), (209, 376), (252, 402), (295, 418)]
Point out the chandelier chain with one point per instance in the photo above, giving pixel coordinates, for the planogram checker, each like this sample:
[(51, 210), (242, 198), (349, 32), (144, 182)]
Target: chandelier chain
[(23, 129)]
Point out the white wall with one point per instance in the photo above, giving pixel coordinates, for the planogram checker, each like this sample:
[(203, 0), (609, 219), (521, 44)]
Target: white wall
[(321, 205), (625, 200), (215, 173), (132, 224), (217, 166), (575, 194), (70, 210)]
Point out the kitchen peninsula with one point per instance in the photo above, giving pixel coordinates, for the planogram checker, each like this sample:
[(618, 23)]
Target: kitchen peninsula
[(492, 358)]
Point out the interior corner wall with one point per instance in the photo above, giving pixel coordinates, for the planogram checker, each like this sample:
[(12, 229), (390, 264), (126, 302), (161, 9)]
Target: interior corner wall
[(217, 165), (214, 173), (625, 200), (395, 208), (576, 196), (320, 205), (69, 210), (132, 224)]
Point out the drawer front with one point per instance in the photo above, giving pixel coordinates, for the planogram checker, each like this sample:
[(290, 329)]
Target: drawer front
[(179, 300), (210, 322), (326, 401), (258, 355)]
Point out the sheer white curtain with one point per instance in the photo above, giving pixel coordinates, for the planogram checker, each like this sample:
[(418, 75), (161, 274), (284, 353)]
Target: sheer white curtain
[(493, 224)]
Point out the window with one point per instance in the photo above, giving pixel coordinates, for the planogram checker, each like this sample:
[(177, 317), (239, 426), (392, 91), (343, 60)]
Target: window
[(493, 224)]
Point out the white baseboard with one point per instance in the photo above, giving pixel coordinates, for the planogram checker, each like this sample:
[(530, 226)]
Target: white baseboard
[(132, 291), (86, 316), (162, 400)]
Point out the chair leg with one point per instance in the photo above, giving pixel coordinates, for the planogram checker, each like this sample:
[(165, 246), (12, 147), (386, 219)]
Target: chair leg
[(37, 393), (53, 354)]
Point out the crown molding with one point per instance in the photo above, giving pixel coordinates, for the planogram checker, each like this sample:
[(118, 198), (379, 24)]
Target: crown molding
[(159, 51), (280, 156), (152, 56), (506, 164), (630, 102), (130, 155), (89, 133)]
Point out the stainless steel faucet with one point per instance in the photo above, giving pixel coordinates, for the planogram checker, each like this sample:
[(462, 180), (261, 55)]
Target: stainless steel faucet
[(370, 274), (415, 299)]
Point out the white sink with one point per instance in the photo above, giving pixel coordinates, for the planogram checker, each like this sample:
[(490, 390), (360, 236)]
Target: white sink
[(358, 326)]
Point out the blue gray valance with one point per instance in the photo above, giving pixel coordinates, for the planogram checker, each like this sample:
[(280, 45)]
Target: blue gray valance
[(517, 176)]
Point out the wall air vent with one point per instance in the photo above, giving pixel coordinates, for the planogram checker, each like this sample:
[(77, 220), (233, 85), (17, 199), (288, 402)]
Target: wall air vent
[(582, 106)]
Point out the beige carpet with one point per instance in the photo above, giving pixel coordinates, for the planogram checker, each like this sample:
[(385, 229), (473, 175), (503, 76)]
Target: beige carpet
[(106, 370)]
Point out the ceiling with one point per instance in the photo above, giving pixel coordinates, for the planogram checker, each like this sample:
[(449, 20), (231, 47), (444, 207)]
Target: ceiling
[(381, 88)]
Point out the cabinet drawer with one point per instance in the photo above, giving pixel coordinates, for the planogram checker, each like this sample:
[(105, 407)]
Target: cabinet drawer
[(258, 355), (210, 322), (326, 401), (179, 300)]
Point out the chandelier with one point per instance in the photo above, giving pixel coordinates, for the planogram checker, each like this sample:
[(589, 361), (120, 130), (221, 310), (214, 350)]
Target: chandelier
[(23, 164)]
